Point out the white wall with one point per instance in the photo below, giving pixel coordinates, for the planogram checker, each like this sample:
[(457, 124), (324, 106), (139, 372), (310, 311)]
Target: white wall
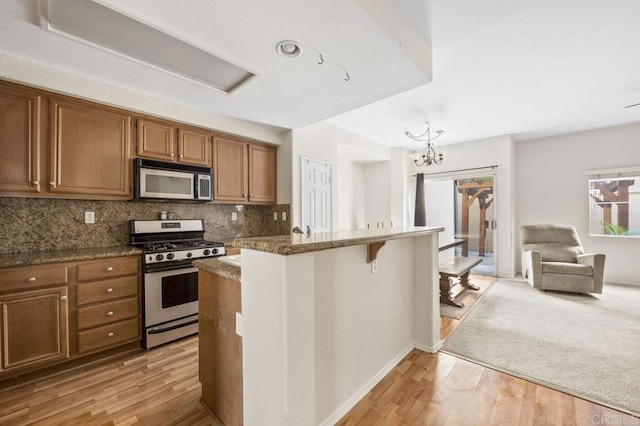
[(351, 198), (327, 142), (487, 152), (552, 188), (441, 212)]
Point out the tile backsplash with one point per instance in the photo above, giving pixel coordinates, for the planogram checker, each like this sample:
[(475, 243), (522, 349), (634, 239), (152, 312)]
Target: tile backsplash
[(37, 224)]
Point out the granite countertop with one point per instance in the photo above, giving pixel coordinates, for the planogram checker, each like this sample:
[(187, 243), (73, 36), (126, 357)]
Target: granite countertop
[(59, 256), (296, 243), (219, 268)]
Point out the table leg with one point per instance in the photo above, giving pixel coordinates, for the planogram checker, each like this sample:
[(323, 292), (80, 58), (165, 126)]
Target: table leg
[(464, 280)]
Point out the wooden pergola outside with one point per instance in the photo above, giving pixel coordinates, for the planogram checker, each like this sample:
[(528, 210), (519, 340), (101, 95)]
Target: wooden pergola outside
[(470, 191), (614, 192)]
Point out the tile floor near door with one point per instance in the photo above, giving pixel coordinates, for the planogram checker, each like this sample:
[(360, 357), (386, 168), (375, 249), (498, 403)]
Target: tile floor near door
[(160, 387)]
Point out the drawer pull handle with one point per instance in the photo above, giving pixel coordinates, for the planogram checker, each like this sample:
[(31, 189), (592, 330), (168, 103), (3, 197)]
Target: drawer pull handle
[(110, 313), (110, 268), (111, 334), (32, 279), (63, 297), (109, 290)]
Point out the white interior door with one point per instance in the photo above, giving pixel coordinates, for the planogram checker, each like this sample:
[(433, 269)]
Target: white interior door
[(316, 195)]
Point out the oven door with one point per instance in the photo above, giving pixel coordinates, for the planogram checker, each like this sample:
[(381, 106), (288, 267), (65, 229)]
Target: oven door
[(169, 295), (165, 184)]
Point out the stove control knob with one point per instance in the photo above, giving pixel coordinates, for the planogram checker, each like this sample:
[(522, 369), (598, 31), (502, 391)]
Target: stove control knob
[(207, 252), (170, 256), (159, 256), (189, 254), (214, 251)]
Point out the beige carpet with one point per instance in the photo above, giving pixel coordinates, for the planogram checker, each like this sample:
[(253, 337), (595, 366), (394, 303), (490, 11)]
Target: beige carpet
[(468, 297), (583, 345)]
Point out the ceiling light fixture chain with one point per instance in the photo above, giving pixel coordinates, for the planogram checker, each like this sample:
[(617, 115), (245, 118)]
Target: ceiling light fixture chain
[(430, 156)]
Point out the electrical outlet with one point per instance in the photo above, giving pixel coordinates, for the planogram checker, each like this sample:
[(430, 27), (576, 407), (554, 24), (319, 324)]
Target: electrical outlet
[(374, 266), (234, 216), (284, 215), (89, 217), (275, 215), (239, 324)]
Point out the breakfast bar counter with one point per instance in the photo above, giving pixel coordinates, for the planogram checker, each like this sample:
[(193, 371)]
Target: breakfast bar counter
[(326, 316)]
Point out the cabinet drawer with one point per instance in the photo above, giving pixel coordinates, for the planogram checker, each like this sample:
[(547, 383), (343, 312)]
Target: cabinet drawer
[(27, 277), (108, 268), (106, 313), (108, 335), (107, 290)]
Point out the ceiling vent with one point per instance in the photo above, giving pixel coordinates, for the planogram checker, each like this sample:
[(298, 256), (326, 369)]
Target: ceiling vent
[(102, 27)]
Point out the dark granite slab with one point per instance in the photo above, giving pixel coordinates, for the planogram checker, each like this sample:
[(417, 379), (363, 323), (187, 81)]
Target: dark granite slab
[(59, 256), (218, 267), (297, 244)]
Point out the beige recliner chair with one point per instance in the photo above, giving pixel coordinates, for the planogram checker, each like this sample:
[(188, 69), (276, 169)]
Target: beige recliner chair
[(553, 259)]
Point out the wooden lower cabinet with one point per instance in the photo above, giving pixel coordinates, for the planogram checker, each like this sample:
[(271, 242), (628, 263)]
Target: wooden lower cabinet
[(108, 303), (35, 327), (220, 348), (54, 313)]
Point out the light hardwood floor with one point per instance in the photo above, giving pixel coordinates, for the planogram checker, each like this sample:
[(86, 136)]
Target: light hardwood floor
[(160, 387)]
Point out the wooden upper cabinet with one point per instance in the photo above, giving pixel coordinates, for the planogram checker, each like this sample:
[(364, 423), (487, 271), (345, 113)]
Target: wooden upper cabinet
[(244, 172), (262, 174), (166, 141), (230, 174), (35, 328), (156, 140), (194, 147), (90, 150), (19, 140)]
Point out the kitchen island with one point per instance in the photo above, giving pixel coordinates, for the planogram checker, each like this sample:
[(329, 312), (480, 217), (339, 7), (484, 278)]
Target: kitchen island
[(325, 317)]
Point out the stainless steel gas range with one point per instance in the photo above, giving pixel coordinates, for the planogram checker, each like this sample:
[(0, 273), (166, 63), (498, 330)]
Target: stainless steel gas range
[(170, 283)]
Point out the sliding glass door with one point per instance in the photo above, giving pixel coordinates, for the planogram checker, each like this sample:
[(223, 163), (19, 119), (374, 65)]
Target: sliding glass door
[(475, 220)]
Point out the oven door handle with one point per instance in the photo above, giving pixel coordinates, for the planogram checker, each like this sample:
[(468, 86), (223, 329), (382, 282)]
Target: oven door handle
[(157, 330)]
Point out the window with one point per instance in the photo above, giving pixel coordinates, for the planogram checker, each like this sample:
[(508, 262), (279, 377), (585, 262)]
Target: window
[(614, 206)]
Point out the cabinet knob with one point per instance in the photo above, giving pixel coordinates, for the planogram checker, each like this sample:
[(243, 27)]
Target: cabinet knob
[(111, 334), (35, 183), (110, 268), (109, 290), (244, 195), (250, 195), (63, 297), (171, 155), (110, 313), (181, 156), (52, 183), (32, 279)]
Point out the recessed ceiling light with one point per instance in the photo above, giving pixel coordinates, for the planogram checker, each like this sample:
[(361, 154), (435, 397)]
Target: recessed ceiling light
[(288, 49)]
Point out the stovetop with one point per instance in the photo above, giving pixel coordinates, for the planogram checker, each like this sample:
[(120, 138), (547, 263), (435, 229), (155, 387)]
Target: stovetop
[(172, 243), (156, 247)]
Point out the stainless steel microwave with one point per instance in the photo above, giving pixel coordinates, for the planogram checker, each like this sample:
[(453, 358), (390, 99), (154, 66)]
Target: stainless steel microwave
[(158, 180)]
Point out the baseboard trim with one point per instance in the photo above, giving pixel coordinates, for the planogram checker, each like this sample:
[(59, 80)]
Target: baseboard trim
[(351, 402), (430, 349)]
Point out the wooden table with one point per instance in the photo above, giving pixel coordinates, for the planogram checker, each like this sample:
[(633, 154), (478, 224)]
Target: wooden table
[(450, 287), (455, 243)]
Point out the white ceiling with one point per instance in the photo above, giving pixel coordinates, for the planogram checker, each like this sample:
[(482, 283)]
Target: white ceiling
[(289, 93), (520, 67), (516, 67)]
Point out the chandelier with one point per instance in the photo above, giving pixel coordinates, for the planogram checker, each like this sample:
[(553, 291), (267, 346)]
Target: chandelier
[(430, 156)]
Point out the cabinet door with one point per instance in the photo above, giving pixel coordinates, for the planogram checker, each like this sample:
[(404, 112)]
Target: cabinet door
[(19, 140), (156, 140), (262, 174), (194, 147), (35, 327), (90, 150), (230, 170)]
